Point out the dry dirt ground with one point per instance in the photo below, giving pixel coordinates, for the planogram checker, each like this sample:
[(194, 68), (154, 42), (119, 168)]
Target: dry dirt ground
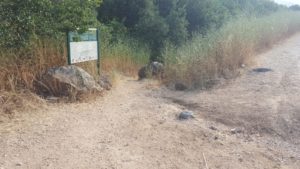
[(135, 125)]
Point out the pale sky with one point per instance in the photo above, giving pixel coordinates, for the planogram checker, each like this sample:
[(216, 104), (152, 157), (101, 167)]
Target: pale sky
[(288, 2)]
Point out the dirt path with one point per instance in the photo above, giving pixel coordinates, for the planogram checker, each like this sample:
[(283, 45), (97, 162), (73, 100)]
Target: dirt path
[(135, 125)]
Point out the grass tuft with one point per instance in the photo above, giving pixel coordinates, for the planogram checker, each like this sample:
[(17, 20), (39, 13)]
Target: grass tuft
[(124, 57)]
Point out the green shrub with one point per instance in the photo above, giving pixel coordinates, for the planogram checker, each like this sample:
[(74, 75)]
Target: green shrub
[(25, 20)]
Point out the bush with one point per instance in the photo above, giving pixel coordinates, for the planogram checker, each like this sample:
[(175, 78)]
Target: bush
[(24, 20)]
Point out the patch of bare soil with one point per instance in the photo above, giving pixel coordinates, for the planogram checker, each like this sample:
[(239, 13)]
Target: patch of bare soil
[(252, 122), (264, 103)]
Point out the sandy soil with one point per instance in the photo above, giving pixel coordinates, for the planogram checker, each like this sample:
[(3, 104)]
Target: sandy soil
[(135, 125)]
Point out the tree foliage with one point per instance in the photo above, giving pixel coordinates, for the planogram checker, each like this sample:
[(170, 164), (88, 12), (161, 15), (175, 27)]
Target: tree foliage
[(157, 22), (22, 20), (152, 22), (295, 7)]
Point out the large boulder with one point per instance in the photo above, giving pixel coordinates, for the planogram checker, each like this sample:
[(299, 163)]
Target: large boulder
[(67, 81), (154, 69), (75, 77)]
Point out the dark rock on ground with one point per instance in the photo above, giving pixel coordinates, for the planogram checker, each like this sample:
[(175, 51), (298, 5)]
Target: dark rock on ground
[(154, 69), (236, 131), (105, 82), (180, 87), (143, 73), (262, 70), (186, 115), (213, 128)]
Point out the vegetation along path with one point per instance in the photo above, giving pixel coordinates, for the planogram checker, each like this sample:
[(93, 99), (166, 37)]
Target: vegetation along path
[(250, 122)]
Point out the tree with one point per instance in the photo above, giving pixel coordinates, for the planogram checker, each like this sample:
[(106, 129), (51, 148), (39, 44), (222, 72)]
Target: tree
[(205, 14), (295, 7), (155, 22), (174, 12), (152, 30), (163, 21), (152, 22), (22, 20)]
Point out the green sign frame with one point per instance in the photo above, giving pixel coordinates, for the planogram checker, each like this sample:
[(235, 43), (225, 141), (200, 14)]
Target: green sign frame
[(84, 46)]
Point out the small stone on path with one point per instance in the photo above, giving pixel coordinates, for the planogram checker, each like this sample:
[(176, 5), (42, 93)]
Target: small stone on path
[(186, 115)]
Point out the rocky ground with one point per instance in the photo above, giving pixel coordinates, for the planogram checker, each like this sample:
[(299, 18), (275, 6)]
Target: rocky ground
[(251, 122)]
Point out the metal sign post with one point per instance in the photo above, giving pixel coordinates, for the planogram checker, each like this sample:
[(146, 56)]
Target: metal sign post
[(84, 47)]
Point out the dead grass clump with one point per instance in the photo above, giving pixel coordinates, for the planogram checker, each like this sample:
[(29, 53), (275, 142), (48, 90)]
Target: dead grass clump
[(11, 103), (123, 65), (125, 57), (22, 68)]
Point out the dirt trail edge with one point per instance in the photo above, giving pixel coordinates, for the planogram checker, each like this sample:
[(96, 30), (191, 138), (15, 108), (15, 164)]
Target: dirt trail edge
[(253, 122)]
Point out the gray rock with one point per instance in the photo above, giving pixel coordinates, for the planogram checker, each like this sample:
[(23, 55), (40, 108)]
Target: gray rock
[(236, 131), (143, 72), (154, 69), (262, 70), (185, 115), (19, 164), (213, 128), (105, 82), (75, 77), (180, 87)]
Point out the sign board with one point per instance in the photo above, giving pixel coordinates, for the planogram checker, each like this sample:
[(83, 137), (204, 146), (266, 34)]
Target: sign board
[(83, 46)]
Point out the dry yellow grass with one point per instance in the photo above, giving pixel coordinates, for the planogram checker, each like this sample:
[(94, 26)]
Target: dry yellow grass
[(21, 70), (124, 65), (221, 53), (12, 103)]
